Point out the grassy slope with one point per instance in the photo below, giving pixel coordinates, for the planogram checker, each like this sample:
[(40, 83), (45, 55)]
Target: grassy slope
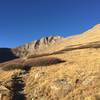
[(77, 78)]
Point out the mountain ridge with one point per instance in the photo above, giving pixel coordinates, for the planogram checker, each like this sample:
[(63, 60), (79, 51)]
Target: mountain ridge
[(47, 44), (54, 68)]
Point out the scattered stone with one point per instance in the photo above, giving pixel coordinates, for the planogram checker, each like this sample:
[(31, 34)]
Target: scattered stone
[(61, 87), (77, 81)]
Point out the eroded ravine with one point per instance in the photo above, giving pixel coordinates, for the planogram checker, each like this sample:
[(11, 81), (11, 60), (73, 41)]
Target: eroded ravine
[(17, 88)]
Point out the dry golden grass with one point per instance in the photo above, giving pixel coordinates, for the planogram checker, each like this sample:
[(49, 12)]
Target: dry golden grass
[(71, 70), (81, 71)]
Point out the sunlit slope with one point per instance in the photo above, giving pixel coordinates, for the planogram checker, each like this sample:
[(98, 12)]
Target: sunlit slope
[(92, 35), (67, 69)]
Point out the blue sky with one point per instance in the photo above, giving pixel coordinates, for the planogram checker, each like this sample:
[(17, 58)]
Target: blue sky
[(22, 21)]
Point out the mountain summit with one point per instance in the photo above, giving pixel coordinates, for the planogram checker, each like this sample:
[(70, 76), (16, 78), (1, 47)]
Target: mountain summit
[(52, 68)]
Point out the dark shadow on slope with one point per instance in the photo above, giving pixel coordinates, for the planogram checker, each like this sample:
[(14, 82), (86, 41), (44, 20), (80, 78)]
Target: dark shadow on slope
[(79, 46), (17, 88), (37, 62), (9, 67), (42, 61), (6, 54)]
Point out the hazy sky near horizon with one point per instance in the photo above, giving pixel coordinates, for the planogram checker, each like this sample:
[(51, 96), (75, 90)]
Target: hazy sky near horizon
[(22, 21)]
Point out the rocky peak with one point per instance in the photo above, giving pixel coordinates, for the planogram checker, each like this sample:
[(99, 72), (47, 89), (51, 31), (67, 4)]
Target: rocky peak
[(37, 45), (46, 41)]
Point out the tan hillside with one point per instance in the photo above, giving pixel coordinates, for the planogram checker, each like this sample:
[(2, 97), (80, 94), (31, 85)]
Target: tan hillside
[(56, 69)]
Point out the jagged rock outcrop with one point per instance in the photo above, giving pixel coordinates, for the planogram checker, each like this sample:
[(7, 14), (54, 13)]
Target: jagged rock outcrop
[(36, 47)]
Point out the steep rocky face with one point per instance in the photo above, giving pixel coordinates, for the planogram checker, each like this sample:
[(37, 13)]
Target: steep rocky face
[(36, 47)]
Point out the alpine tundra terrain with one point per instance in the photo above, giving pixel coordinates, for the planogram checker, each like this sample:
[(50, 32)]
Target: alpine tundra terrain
[(52, 68)]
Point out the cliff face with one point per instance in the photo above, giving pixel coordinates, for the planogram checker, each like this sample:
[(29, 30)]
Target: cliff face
[(55, 68), (37, 47)]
